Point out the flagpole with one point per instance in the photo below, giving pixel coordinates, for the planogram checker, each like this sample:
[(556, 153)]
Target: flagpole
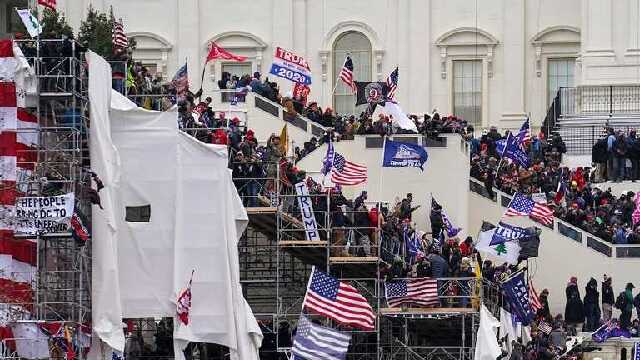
[(204, 68), (508, 206), (384, 146)]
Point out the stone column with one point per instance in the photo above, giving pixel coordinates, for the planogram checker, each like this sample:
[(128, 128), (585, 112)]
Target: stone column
[(190, 47), (514, 44)]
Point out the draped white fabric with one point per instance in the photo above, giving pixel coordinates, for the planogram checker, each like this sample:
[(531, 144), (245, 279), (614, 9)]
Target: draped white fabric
[(196, 219)]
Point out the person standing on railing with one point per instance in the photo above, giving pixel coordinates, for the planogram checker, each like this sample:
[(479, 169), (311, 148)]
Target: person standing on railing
[(627, 306), (574, 309), (592, 305), (607, 298)]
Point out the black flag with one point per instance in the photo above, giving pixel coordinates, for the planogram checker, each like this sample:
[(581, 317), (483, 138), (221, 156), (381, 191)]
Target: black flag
[(371, 92), (529, 245)]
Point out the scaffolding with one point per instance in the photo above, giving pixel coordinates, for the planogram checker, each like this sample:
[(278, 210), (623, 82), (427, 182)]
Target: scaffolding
[(276, 257), (61, 284), (276, 260)]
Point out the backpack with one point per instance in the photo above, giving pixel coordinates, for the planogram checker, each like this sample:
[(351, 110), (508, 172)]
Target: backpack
[(621, 301)]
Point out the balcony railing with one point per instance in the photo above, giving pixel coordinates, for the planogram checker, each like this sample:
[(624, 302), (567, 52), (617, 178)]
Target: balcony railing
[(590, 100)]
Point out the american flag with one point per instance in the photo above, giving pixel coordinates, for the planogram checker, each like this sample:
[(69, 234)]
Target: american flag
[(534, 300), (392, 85), (181, 81), (313, 341), (346, 74), (545, 327), (345, 172), (524, 135), (524, 206), (51, 4), (636, 351), (420, 292), (339, 301), (119, 37)]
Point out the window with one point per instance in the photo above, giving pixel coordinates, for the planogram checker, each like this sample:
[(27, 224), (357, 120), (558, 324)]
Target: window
[(237, 69), (138, 213), (560, 74), (357, 46), (467, 90), (12, 21)]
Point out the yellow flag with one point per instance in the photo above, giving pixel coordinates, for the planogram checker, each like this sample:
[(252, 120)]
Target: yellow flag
[(284, 140), (475, 300)]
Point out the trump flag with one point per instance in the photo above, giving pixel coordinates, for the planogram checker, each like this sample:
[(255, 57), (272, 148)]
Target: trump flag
[(401, 154)]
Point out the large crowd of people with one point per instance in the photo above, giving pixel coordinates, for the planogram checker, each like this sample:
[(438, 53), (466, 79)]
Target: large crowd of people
[(362, 228), (570, 192)]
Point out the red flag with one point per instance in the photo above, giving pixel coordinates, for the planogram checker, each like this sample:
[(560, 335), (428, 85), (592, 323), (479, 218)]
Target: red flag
[(183, 304), (51, 4), (216, 52)]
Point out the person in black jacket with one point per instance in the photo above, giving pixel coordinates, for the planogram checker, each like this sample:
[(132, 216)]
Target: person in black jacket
[(607, 298), (592, 305), (633, 156), (599, 157), (574, 309), (544, 311)]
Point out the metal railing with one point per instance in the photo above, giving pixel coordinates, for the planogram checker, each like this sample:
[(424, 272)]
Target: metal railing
[(553, 113), (612, 99)]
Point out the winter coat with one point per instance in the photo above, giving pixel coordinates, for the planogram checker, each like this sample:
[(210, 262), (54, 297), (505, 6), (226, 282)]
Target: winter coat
[(592, 299), (439, 266), (599, 151), (574, 309)]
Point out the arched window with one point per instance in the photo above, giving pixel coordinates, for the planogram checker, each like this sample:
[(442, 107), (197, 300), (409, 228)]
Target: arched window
[(358, 46)]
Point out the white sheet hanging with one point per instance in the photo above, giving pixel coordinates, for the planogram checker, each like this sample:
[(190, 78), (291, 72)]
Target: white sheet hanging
[(196, 219)]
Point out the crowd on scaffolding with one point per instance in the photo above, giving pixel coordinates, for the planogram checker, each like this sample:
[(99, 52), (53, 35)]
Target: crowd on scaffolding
[(570, 192)]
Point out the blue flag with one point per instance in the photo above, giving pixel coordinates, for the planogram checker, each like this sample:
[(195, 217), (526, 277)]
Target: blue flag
[(500, 146), (413, 244), (608, 330), (505, 232), (513, 150), (401, 154), (327, 162), (517, 295)]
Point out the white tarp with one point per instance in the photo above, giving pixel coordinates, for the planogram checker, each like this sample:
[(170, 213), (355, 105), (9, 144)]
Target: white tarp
[(196, 220)]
